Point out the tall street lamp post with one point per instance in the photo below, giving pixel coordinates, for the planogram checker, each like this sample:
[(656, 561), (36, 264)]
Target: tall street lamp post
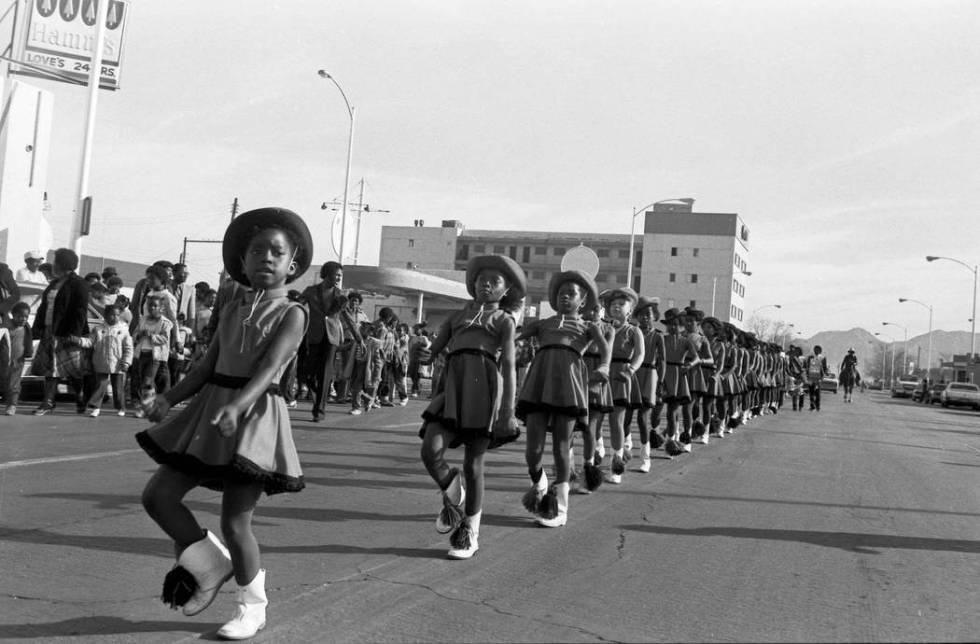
[(636, 213), (350, 150), (902, 300), (905, 360), (973, 320)]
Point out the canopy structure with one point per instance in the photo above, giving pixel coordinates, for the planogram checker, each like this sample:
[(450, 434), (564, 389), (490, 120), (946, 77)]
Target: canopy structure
[(431, 289)]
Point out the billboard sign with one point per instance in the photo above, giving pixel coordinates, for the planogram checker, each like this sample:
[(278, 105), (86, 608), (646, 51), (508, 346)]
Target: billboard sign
[(61, 34)]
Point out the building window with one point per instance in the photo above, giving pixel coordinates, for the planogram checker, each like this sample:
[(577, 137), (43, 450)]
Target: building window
[(557, 250), (537, 275), (623, 254), (636, 283), (694, 278), (411, 243), (498, 250), (733, 311), (602, 252), (738, 261), (735, 286), (526, 254), (463, 252), (673, 277), (409, 265), (479, 248), (637, 258), (695, 252), (673, 251), (740, 315), (540, 250)]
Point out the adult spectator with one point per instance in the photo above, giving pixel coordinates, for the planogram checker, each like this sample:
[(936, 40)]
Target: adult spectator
[(9, 292), (815, 370), (109, 272), (93, 278), (186, 296), (60, 318), (31, 273), (323, 336), (141, 289), (47, 270)]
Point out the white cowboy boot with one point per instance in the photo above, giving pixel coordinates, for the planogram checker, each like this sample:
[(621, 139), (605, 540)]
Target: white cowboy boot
[(561, 491), (250, 603), (645, 458), (464, 541), (210, 564), (532, 498)]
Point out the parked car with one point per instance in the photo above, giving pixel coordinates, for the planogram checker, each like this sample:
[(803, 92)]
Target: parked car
[(963, 394), (904, 387), (935, 393), (829, 383), (876, 385)]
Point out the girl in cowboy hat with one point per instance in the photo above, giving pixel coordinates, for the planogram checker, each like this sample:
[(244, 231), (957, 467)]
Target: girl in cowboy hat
[(555, 395), (627, 356), (712, 407), (474, 404), (648, 379), (696, 377), (600, 402), (680, 356), (234, 435)]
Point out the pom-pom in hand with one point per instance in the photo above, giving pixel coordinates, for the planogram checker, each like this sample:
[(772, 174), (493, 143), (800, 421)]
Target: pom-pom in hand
[(155, 407), (226, 420)]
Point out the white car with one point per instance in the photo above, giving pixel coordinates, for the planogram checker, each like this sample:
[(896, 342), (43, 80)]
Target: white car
[(963, 394), (904, 387)]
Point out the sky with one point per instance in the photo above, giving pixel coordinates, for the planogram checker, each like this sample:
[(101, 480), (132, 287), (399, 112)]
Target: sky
[(845, 134)]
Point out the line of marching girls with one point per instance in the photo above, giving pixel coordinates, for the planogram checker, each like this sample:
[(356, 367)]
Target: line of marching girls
[(226, 426)]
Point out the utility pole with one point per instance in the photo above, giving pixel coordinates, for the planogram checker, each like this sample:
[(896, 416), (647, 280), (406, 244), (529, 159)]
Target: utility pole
[(234, 208), (361, 208)]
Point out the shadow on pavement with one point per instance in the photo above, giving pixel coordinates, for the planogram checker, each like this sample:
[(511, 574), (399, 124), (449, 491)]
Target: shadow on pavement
[(93, 625), (859, 542)]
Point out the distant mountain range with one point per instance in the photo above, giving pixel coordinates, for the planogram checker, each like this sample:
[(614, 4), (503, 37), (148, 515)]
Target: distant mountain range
[(865, 344)]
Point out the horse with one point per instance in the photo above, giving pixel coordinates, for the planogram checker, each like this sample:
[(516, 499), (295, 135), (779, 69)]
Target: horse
[(848, 378)]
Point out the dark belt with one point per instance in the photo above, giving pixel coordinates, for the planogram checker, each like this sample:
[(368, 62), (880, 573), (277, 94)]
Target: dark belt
[(621, 360), (472, 352), (591, 354), (239, 382), (675, 364), (647, 365), (709, 367), (562, 347)]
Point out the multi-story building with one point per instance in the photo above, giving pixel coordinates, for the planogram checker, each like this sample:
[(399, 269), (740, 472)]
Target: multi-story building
[(450, 246), (696, 259), (683, 257)]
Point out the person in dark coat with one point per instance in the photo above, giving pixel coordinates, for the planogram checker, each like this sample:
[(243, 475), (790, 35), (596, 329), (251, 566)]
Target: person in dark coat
[(60, 320), (323, 336)]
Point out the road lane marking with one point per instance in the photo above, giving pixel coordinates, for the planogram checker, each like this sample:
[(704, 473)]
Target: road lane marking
[(64, 459)]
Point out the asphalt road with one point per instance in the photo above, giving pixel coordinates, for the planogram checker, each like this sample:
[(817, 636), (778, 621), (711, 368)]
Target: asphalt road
[(857, 523)]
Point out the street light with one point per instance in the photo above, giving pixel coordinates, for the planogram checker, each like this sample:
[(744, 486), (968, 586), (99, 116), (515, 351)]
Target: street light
[(906, 349), (973, 323), (350, 149), (640, 211), (778, 306), (902, 300), (891, 375)]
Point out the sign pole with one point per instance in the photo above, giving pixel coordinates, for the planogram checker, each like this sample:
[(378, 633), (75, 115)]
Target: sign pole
[(94, 76)]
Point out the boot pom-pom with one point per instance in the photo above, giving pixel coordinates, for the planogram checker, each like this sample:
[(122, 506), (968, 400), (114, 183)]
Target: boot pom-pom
[(530, 500), (715, 423), (178, 587), (460, 538), (673, 448), (618, 466), (656, 440), (697, 429), (593, 477), (548, 506)]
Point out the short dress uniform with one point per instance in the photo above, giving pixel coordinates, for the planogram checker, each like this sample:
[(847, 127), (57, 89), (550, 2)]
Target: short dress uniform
[(558, 379), (647, 377), (262, 449), (467, 400), (600, 393), (625, 393)]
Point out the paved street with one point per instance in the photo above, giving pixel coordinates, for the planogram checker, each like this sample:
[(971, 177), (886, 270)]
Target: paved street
[(859, 523)]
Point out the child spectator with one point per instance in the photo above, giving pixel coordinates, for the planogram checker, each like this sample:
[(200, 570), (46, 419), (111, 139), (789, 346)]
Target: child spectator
[(113, 285), (185, 340), (112, 353), (368, 363), (152, 340), (21, 347)]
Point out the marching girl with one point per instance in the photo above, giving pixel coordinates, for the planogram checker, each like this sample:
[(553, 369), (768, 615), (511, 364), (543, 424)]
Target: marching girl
[(555, 396), (600, 400), (474, 405), (728, 377), (752, 380), (696, 377), (680, 356), (713, 402), (627, 356), (234, 435), (648, 380)]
